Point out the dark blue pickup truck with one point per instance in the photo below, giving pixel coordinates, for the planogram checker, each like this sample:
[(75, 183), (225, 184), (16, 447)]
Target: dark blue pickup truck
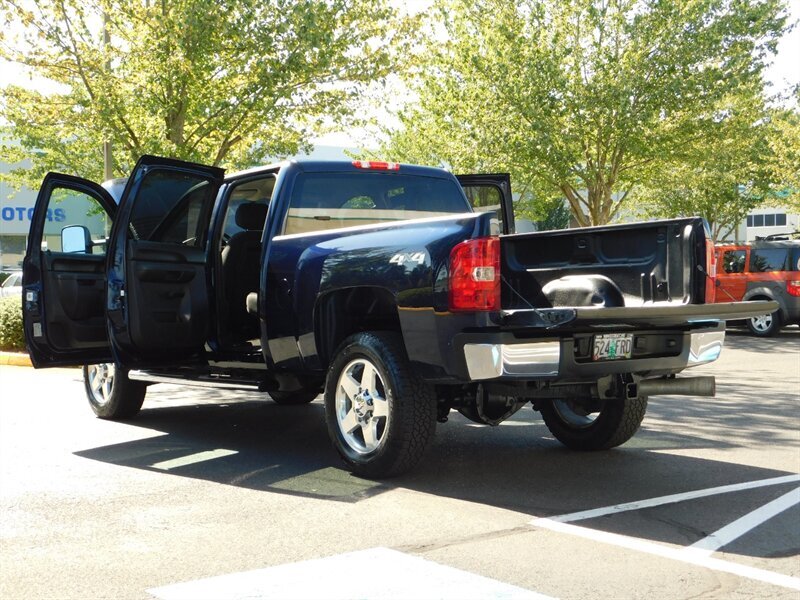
[(401, 292)]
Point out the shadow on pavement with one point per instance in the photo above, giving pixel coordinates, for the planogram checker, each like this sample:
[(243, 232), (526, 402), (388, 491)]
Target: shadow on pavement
[(516, 466)]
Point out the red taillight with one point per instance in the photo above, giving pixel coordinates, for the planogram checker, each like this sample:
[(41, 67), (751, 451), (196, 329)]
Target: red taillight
[(711, 272), (475, 275), (376, 164), (793, 287)]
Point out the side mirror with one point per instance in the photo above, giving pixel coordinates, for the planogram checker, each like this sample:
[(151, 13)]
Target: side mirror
[(76, 239)]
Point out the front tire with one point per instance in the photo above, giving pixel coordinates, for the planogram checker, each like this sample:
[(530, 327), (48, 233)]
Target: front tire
[(578, 426), (380, 415), (765, 325), (110, 393)]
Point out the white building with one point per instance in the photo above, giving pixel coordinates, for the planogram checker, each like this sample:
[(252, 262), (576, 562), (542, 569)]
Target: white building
[(767, 221)]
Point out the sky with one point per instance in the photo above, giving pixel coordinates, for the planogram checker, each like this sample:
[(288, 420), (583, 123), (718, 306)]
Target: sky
[(785, 69), (781, 75)]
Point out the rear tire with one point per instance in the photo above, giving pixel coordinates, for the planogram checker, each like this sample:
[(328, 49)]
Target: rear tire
[(381, 416), (765, 325), (110, 393), (613, 424)]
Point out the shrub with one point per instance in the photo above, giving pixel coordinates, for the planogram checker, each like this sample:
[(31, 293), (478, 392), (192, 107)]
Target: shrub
[(11, 334)]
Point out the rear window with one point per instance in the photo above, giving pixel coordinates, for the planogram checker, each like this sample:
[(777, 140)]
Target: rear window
[(323, 201), (774, 259)]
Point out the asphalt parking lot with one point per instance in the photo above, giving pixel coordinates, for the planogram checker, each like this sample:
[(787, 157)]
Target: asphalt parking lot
[(704, 501)]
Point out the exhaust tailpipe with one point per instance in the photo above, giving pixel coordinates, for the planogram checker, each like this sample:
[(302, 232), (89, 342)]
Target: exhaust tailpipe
[(684, 386)]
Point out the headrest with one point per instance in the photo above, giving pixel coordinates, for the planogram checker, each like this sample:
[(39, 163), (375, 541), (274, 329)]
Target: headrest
[(251, 216)]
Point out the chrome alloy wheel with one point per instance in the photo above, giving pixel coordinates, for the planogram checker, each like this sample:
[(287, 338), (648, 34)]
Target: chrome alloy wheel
[(362, 409), (572, 413), (761, 323), (101, 381)]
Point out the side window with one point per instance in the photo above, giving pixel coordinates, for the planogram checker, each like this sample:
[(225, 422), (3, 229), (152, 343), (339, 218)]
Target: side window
[(69, 207), (768, 259), (486, 198), (248, 193), (172, 207), (733, 261)]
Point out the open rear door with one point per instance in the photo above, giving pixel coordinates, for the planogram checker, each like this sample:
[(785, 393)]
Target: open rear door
[(159, 269), (491, 192), (64, 273)]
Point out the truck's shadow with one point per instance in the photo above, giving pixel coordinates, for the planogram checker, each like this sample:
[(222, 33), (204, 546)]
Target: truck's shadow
[(516, 466)]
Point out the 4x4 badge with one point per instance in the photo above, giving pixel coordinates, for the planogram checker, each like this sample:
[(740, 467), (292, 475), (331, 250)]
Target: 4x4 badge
[(404, 257)]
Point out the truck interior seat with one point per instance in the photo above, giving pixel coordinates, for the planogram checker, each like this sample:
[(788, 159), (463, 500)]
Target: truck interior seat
[(241, 260)]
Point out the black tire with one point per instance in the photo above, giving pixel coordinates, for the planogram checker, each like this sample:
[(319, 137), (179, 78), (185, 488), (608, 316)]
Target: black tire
[(615, 423), (401, 436), (110, 393), (296, 398), (765, 325)]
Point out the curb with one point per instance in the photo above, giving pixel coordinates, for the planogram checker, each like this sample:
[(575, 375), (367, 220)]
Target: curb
[(15, 359)]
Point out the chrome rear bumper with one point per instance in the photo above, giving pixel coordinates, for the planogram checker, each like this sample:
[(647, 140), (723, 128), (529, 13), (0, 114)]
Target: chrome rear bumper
[(545, 359)]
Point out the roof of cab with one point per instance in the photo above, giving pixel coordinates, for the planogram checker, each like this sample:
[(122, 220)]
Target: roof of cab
[(116, 186), (344, 166)]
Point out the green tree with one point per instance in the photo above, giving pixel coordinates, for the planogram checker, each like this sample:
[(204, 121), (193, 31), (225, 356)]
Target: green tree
[(226, 83), (721, 176), (583, 98), (785, 148)]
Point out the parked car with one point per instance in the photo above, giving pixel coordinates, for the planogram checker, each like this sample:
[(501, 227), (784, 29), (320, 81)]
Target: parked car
[(380, 285), (12, 286), (767, 269)]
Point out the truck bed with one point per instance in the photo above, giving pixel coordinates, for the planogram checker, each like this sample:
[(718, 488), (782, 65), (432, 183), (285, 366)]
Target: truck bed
[(636, 264)]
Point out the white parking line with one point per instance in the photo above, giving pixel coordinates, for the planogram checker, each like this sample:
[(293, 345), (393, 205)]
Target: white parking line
[(673, 498), (192, 459), (679, 554), (723, 537), (376, 573), (699, 553)]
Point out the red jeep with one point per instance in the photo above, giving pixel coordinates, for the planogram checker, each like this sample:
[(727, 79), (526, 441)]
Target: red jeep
[(767, 269)]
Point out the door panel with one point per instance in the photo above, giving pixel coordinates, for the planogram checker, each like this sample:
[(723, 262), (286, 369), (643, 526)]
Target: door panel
[(63, 292), (167, 285), (159, 280), (491, 192), (74, 301), (731, 276)]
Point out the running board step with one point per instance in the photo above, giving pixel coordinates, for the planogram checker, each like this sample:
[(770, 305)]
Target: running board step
[(207, 381)]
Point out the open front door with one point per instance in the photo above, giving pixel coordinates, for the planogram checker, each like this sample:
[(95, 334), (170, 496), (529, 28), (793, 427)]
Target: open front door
[(64, 273), (491, 192), (159, 268)]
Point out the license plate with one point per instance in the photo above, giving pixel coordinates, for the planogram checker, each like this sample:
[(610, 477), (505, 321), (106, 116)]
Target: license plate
[(612, 346)]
